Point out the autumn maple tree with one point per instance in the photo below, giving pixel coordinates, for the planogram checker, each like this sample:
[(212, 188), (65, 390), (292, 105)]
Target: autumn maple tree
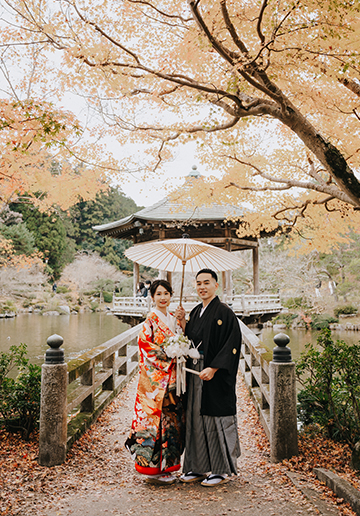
[(224, 72)]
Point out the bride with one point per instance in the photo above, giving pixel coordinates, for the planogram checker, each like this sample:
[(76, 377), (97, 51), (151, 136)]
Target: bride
[(156, 440)]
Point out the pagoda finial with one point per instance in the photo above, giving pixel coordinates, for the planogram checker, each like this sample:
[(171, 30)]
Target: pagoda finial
[(194, 172)]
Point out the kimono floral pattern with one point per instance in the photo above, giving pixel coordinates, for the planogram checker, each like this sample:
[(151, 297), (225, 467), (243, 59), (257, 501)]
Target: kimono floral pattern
[(156, 440)]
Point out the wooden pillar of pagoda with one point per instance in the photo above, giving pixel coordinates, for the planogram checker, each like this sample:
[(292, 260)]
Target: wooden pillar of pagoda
[(255, 253), (136, 276)]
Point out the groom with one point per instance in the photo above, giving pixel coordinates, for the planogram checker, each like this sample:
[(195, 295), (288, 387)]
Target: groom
[(212, 443)]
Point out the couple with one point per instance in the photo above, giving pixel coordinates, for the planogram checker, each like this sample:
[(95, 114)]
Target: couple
[(158, 431)]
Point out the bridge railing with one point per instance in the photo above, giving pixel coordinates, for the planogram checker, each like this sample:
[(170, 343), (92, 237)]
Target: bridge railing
[(246, 303), (249, 303), (254, 367), (97, 376)]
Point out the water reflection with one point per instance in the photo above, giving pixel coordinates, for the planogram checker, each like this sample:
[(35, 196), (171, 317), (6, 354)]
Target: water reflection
[(299, 338), (80, 332)]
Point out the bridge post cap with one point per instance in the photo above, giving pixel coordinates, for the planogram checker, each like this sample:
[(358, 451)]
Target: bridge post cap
[(55, 341), (281, 354), (281, 340), (55, 355)]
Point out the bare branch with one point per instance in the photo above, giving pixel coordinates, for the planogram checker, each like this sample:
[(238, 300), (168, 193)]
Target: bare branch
[(258, 26), (351, 85), (166, 15), (286, 184)]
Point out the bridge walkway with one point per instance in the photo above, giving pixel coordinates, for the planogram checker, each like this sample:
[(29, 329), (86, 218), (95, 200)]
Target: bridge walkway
[(98, 477)]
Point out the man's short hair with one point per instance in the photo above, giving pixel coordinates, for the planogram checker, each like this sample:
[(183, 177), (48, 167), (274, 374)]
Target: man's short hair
[(208, 271)]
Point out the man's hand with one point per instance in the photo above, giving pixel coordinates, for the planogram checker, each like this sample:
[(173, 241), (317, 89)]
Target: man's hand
[(180, 316), (207, 373)]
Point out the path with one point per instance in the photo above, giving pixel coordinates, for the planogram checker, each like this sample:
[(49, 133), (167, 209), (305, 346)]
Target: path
[(99, 478)]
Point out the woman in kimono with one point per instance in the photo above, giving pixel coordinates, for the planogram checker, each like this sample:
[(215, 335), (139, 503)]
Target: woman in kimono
[(156, 440)]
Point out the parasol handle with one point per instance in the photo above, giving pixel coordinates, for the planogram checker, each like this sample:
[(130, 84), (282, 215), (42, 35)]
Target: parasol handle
[(182, 281)]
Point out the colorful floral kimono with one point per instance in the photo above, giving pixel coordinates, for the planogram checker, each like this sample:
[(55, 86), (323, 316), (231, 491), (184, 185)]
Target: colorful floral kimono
[(156, 439)]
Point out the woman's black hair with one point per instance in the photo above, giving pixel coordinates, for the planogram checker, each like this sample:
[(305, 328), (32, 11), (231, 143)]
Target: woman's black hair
[(160, 282)]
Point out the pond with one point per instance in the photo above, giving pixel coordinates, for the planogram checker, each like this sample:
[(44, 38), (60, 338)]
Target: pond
[(80, 332), (299, 338), (86, 331)]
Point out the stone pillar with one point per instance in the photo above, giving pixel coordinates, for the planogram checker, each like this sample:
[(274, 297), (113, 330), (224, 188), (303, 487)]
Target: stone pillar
[(255, 253), (283, 415), (53, 405), (136, 276)]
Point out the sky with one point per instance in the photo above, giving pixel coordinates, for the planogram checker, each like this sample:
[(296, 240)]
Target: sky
[(146, 193)]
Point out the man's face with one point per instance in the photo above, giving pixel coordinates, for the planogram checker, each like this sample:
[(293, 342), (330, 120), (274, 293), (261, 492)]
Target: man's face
[(206, 286)]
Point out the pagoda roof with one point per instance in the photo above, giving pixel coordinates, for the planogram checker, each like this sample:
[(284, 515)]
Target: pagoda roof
[(167, 210)]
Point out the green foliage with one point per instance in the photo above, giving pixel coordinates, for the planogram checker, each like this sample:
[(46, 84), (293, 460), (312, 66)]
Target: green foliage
[(347, 309), (7, 306), (49, 234), (321, 321), (107, 297), (296, 302), (124, 288), (22, 239), (354, 267), (62, 289), (330, 395), (19, 397), (94, 305), (285, 319), (108, 206)]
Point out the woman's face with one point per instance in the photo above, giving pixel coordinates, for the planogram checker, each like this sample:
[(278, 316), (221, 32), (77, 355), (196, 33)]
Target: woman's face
[(162, 298)]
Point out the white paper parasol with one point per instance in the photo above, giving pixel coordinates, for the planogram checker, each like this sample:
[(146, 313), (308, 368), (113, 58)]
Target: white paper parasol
[(183, 255)]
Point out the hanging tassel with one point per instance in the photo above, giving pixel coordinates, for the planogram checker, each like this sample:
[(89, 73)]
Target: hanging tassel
[(180, 376)]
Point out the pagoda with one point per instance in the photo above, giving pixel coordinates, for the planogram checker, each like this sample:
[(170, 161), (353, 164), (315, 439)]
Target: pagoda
[(216, 225)]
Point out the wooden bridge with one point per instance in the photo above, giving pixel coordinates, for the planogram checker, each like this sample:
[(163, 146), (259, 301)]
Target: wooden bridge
[(98, 375), (248, 308)]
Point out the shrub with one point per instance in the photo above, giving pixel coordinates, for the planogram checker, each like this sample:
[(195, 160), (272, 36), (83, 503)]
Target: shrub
[(330, 395), (319, 322), (26, 303), (19, 397), (94, 305), (296, 302), (286, 319), (62, 289), (8, 306), (107, 297), (347, 309)]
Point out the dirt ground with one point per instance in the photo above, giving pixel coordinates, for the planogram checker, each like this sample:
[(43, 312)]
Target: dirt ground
[(99, 478)]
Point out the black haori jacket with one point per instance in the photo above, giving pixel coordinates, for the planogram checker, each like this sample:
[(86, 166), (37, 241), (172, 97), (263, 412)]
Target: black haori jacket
[(219, 331)]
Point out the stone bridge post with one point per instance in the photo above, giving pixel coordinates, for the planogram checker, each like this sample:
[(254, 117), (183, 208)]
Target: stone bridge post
[(283, 414), (53, 405)]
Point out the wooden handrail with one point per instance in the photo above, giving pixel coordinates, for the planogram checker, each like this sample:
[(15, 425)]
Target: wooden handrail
[(254, 366), (95, 377)]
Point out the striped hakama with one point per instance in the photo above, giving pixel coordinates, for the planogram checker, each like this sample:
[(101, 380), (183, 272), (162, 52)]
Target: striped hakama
[(211, 442)]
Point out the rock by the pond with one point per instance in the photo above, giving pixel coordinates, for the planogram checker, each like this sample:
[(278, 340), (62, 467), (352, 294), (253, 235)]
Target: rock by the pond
[(279, 327), (51, 312), (64, 309)]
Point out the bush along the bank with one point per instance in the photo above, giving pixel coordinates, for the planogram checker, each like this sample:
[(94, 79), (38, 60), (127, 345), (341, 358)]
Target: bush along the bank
[(19, 397), (330, 395), (345, 310), (322, 321)]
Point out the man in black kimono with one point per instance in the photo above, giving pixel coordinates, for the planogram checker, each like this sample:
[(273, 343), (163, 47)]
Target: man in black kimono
[(212, 443)]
